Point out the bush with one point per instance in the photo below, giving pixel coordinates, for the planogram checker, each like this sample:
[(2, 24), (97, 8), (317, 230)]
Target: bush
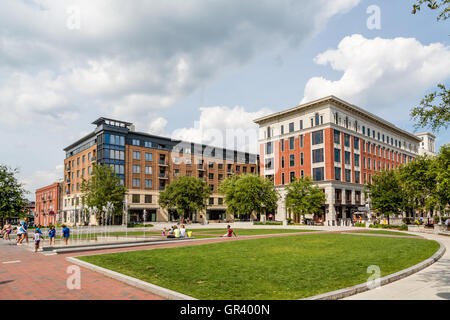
[(268, 223), (407, 220), (136, 225), (361, 225)]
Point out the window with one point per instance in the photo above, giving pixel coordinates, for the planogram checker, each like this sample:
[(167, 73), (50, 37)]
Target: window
[(268, 132), (357, 177), (356, 141), (378, 135), (282, 129), (269, 148), (374, 164), (337, 137), (364, 130), (346, 140), (148, 183), (302, 173), (220, 200), (78, 161), (211, 176), (337, 155), (269, 163), (317, 119), (301, 159), (89, 170), (291, 143), (321, 119), (282, 178), (282, 162), (292, 176), (356, 160), (347, 157), (211, 201), (317, 155), (282, 145), (136, 155), (211, 187), (348, 174), (136, 142), (136, 198), (337, 173), (368, 163), (84, 159), (292, 160), (82, 172), (148, 198), (136, 169), (220, 165), (301, 124), (317, 137), (147, 144), (136, 182), (301, 141), (318, 174), (368, 132), (291, 127)]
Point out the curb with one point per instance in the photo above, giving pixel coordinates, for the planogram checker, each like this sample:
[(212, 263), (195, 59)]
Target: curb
[(350, 291), (160, 291)]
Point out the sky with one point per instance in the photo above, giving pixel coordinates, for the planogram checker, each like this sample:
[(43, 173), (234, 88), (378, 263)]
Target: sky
[(202, 70)]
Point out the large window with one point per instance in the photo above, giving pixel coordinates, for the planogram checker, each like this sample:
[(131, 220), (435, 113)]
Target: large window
[(301, 158), (317, 155), (148, 170), (136, 169), (148, 183), (316, 117), (337, 137), (317, 137), (347, 157), (269, 148), (291, 143), (148, 156), (136, 198), (348, 174), (301, 124), (282, 162), (356, 140), (291, 176), (346, 140), (337, 173), (357, 177), (356, 160), (282, 145), (136, 182), (291, 127), (291, 160), (136, 142), (318, 174), (301, 141), (136, 155), (337, 155)]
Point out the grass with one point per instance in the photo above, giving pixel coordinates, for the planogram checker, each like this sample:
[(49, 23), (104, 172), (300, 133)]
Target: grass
[(252, 232), (394, 233), (291, 267)]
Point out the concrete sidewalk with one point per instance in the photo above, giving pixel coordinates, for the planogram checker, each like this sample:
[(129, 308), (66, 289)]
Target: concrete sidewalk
[(432, 283)]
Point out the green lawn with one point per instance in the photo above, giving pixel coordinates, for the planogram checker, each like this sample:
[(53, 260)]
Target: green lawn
[(252, 232), (291, 267), (384, 232)]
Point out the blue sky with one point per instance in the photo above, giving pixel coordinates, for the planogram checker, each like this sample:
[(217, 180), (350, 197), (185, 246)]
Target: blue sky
[(156, 64)]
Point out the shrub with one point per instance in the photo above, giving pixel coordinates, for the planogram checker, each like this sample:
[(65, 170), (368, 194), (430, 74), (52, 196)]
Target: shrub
[(407, 220), (362, 225), (268, 223)]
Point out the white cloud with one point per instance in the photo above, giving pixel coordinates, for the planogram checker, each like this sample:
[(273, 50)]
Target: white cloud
[(224, 127), (42, 178), (157, 126), (132, 58), (381, 72)]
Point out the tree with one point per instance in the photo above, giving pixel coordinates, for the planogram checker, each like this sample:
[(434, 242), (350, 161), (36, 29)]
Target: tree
[(429, 114), (444, 5), (303, 197), (249, 193), (12, 194), (386, 193), (440, 197), (186, 194), (418, 181), (103, 186)]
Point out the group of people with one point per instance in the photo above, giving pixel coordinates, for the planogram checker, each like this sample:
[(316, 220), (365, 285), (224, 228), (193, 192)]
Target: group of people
[(22, 234), (175, 232)]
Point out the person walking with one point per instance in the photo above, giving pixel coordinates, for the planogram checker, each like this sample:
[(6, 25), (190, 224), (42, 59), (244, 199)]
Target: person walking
[(37, 239), (19, 234), (65, 234), (51, 235), (7, 228), (25, 230)]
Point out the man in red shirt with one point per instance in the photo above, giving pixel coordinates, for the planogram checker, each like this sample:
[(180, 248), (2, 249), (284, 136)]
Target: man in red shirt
[(229, 233)]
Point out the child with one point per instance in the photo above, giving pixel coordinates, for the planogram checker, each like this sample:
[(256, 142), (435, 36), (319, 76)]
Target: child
[(65, 234), (51, 235), (164, 232), (182, 231), (37, 238)]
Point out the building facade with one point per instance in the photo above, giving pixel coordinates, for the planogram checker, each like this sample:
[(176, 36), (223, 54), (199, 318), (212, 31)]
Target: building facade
[(146, 164), (48, 204), (427, 144), (339, 145)]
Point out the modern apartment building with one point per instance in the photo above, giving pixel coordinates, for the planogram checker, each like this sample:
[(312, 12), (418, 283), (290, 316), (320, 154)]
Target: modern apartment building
[(339, 145), (48, 204), (146, 164)]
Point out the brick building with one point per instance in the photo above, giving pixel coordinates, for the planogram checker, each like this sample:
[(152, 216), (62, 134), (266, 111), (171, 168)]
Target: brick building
[(48, 204), (146, 164), (339, 145)]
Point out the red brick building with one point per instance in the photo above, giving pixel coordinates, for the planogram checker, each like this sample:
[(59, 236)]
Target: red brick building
[(48, 204)]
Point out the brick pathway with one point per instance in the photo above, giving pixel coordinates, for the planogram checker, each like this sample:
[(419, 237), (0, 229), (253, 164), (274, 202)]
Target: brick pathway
[(42, 277)]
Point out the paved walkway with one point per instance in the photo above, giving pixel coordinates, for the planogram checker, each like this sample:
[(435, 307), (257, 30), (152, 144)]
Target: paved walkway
[(432, 283)]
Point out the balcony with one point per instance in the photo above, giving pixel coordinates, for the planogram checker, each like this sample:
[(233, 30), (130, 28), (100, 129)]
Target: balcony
[(163, 163), (67, 168), (163, 176), (201, 167), (93, 159)]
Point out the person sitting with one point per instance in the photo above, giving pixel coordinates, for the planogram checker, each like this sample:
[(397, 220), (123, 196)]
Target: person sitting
[(176, 232), (182, 231), (171, 233), (229, 233)]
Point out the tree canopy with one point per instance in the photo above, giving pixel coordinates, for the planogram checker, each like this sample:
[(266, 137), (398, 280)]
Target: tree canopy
[(249, 193), (12, 193), (103, 186), (442, 5), (304, 197), (186, 194)]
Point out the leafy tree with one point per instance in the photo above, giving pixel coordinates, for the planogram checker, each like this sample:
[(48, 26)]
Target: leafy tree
[(103, 186), (443, 5), (440, 197), (12, 194), (249, 193), (303, 197), (186, 194), (430, 114), (418, 180), (386, 193)]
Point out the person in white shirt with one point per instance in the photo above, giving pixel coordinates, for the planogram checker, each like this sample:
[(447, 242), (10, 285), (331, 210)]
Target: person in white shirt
[(37, 239), (182, 231)]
